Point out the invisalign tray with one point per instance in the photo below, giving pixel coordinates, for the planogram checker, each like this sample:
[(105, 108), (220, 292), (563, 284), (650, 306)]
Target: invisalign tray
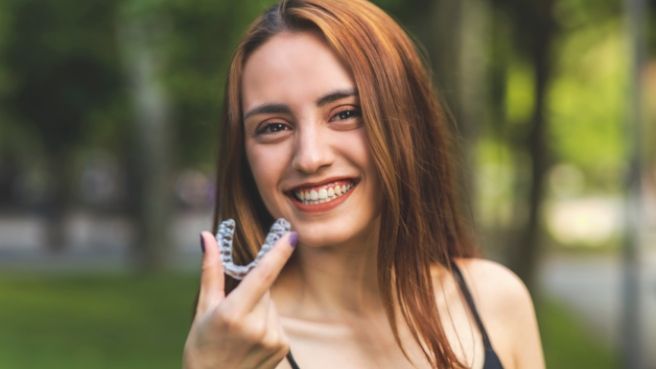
[(224, 237)]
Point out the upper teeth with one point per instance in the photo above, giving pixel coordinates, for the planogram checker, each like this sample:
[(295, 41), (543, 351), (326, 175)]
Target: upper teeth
[(322, 194)]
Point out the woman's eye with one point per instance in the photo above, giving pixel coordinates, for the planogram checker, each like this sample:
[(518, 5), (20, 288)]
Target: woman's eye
[(270, 128), (346, 114)]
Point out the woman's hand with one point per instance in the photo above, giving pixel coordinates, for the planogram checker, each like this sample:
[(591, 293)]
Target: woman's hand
[(241, 330)]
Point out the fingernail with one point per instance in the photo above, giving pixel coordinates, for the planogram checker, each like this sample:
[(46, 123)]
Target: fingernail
[(293, 239), (202, 243)]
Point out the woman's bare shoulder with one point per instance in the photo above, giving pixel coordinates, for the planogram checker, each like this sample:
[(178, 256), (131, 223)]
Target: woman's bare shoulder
[(494, 284), (507, 311)]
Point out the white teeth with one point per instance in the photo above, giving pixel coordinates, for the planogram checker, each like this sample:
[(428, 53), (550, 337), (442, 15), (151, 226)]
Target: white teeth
[(323, 194)]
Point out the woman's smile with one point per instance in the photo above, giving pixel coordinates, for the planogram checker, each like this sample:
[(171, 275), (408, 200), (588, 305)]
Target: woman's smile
[(322, 196)]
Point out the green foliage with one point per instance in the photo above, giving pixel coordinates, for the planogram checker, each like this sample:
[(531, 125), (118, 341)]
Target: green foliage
[(520, 94), (63, 79), (587, 104), (202, 37), (569, 344), (495, 166), (651, 30), (62, 61), (573, 14)]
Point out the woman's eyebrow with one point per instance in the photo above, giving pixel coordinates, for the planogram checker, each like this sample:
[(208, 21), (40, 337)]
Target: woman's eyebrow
[(335, 95), (284, 109), (268, 109)]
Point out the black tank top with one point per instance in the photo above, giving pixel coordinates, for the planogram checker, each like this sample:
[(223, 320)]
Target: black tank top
[(491, 360)]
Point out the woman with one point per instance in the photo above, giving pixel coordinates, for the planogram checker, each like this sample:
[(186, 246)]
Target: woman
[(331, 123)]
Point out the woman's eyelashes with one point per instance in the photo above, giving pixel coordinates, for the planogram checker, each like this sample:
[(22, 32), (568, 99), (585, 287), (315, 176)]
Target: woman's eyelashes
[(345, 114), (271, 128), (346, 117)]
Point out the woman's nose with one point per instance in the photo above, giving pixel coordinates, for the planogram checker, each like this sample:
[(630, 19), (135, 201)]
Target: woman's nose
[(312, 151)]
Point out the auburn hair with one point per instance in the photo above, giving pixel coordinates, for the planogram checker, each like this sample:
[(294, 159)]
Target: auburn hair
[(410, 143)]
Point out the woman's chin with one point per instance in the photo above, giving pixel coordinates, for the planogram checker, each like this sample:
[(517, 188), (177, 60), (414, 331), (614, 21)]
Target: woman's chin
[(327, 237), (319, 241), (312, 237)]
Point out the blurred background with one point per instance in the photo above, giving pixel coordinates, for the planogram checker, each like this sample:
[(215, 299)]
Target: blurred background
[(108, 131)]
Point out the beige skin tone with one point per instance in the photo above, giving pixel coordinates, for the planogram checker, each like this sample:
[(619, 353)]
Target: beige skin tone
[(323, 301)]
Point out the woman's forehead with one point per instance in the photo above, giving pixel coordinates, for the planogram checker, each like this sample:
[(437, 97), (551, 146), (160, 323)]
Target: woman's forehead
[(292, 67)]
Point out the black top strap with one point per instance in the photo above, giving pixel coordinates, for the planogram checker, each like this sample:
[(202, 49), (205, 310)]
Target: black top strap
[(470, 301), (292, 361)]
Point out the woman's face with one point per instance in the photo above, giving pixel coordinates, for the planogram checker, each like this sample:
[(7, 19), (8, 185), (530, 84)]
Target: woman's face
[(306, 142)]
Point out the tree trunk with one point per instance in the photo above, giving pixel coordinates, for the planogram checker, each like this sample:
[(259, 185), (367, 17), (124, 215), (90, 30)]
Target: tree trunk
[(58, 202), (149, 172), (529, 245), (472, 94)]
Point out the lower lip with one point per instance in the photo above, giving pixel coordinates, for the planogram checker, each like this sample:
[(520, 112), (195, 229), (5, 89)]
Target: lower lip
[(324, 206)]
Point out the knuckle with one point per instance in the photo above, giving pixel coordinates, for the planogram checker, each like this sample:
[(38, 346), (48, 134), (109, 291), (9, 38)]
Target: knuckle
[(255, 333), (226, 320), (240, 328), (275, 344)]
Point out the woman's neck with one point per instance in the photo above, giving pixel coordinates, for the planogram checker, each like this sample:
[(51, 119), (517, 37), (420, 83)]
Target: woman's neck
[(330, 283)]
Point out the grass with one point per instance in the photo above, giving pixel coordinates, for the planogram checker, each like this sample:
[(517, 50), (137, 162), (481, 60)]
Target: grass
[(123, 321), (567, 343), (94, 321)]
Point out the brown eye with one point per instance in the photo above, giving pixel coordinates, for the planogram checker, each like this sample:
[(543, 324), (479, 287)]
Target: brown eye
[(346, 114), (271, 128)]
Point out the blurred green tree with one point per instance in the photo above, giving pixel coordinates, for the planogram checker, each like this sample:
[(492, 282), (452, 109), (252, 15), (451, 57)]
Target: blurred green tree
[(528, 44), (60, 71)]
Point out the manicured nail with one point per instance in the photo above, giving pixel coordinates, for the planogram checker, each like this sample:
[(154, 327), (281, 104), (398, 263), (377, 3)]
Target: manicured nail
[(293, 239), (202, 243)]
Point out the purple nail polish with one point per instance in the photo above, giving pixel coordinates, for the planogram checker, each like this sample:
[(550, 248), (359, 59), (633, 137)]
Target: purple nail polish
[(293, 239), (202, 244)]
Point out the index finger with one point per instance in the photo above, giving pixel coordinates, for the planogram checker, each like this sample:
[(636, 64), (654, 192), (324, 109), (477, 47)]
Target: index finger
[(259, 280)]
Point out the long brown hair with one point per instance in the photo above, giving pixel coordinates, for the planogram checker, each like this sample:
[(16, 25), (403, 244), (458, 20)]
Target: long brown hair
[(410, 144)]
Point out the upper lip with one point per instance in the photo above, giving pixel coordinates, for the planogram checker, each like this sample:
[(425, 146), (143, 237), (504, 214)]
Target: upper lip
[(320, 183)]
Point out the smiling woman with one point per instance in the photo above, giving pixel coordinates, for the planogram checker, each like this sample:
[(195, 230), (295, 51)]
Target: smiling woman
[(331, 123), (304, 138)]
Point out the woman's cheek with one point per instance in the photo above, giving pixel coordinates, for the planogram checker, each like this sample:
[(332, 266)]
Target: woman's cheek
[(268, 168)]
